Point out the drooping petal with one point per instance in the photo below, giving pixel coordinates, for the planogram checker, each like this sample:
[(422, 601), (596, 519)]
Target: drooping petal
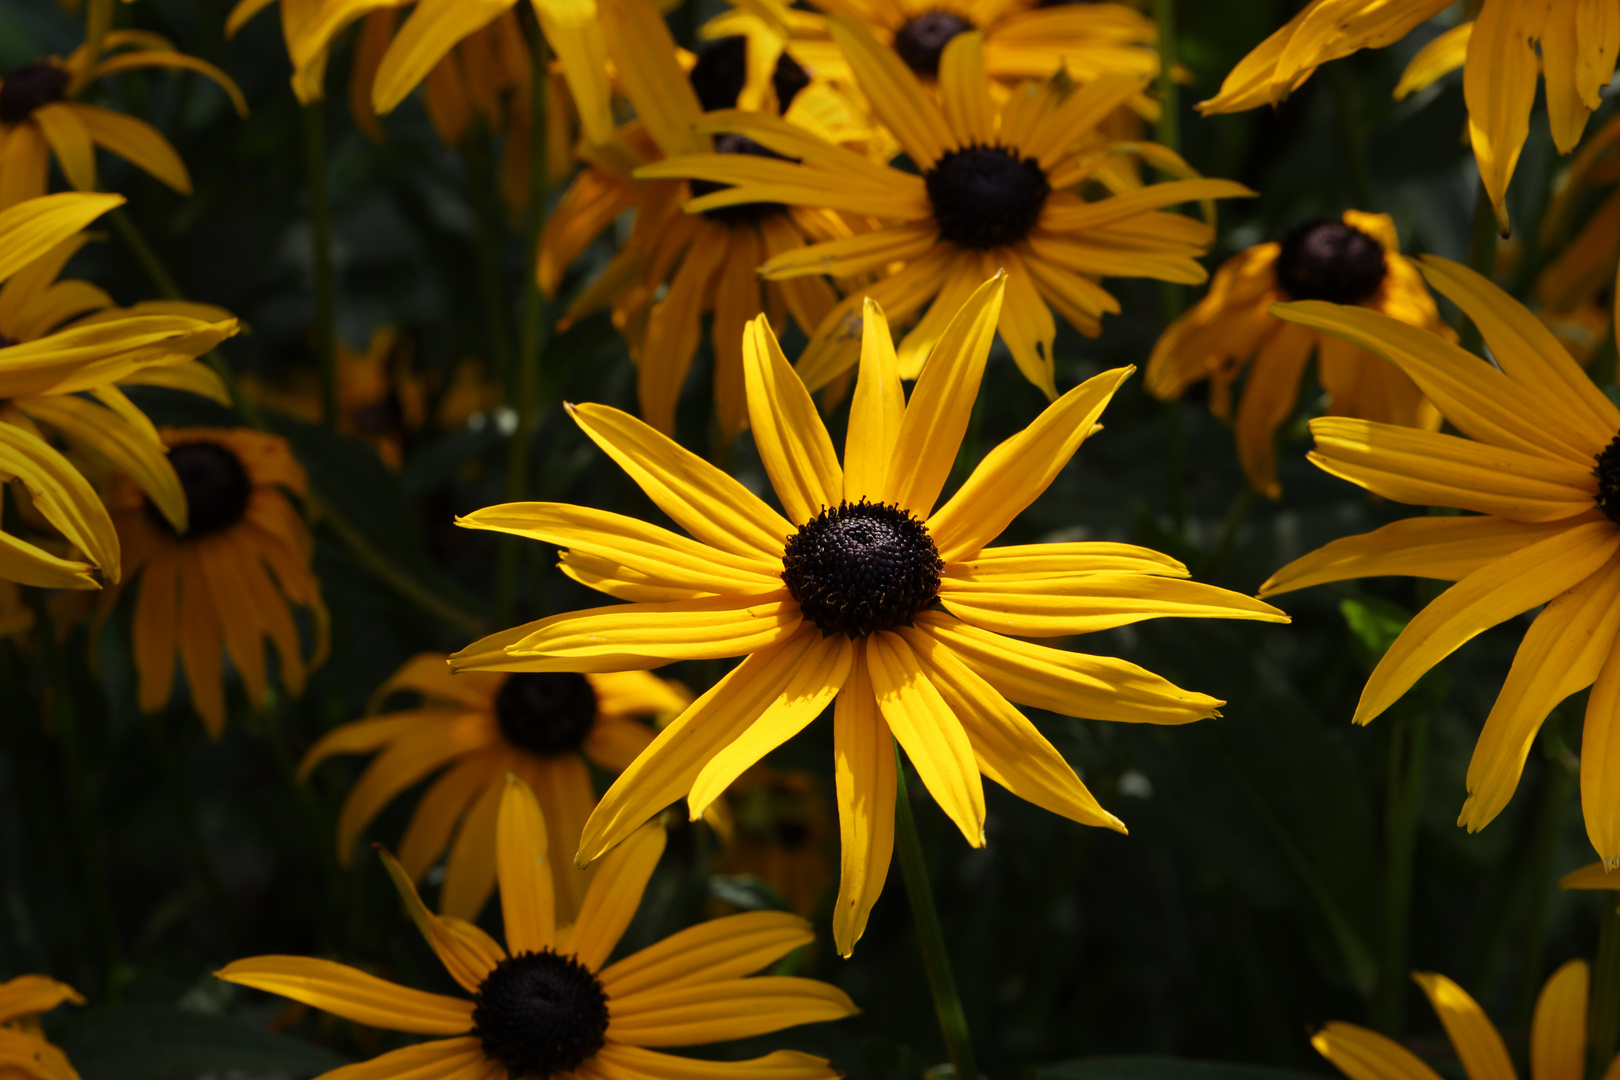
[(70, 142), (724, 948), (1490, 595), (643, 53), (1499, 85), (793, 444), (615, 894), (897, 97), (864, 776), (352, 994), (30, 995), (1600, 764), (432, 30), (137, 142), (439, 736), (467, 960), (62, 494)]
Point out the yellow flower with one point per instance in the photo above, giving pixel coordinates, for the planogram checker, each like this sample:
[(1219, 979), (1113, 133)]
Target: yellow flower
[(1557, 1035), (44, 373), (547, 729), (37, 111), (228, 579), (1537, 462), (1500, 67), (998, 190), (308, 55), (863, 593), (707, 260), (1356, 260), (24, 1053), (549, 1003)]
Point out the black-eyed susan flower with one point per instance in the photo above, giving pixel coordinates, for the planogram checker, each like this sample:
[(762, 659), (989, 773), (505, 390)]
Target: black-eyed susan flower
[(1557, 1035), (1501, 65), (549, 1004), (863, 592), (47, 368), (547, 729), (675, 268), (998, 188), (1536, 464), (24, 1053), (40, 116), (228, 581), (1355, 260)]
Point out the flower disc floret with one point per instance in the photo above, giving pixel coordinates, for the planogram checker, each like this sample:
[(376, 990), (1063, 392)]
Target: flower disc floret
[(923, 39), (858, 568), (1332, 261), (986, 196), (744, 213), (30, 87), (546, 713), (540, 1013), (216, 484), (1608, 478)]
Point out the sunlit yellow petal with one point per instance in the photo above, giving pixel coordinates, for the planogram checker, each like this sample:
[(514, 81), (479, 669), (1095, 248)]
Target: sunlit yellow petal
[(793, 444), (615, 893), (523, 866), (725, 948), (354, 995)]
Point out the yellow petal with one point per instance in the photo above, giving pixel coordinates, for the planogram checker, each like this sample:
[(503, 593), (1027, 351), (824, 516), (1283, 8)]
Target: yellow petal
[(1600, 767), (704, 501), (1008, 748), (608, 638), (131, 61), (1562, 653), (432, 30), (643, 53), (615, 894), (1366, 1055), (1442, 548), (61, 494), (70, 142), (965, 91), (1484, 1056), (616, 1061), (30, 995), (928, 731), (724, 1010), (574, 30), (896, 96), (1016, 472), (723, 948), (344, 991), (528, 906), (1080, 605), (942, 402), (27, 564), (1443, 54), (30, 229), (666, 770), (434, 738), (1036, 562), (441, 1059), (137, 142), (864, 776), (1558, 1029), (793, 443), (1499, 85), (1068, 683), (1490, 595), (876, 410), (467, 958), (1269, 398)]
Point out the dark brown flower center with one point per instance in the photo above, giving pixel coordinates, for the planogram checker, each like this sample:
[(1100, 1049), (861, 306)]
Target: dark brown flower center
[(1608, 478), (217, 486), (540, 1013), (742, 213), (29, 87), (1332, 261), (924, 37), (858, 568), (546, 712), (722, 71), (986, 196)]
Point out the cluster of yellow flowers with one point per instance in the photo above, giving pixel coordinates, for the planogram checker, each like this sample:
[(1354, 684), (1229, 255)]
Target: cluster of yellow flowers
[(965, 171)]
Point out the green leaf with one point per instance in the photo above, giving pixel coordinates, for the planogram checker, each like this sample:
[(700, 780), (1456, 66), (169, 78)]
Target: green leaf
[(1161, 1068), (1374, 625), (148, 1042)]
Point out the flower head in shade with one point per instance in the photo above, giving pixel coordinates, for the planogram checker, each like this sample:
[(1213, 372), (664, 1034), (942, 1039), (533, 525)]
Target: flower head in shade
[(1355, 260), (228, 580), (1536, 465), (707, 261), (998, 188), (1575, 289), (62, 382), (546, 728), (781, 832), (1557, 1035), (1501, 53), (24, 1053), (862, 592), (40, 116), (548, 1003)]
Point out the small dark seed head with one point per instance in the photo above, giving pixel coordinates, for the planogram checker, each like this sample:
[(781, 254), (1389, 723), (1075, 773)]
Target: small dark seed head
[(1608, 478), (29, 87), (1332, 261), (986, 196), (744, 213), (924, 37), (722, 71), (858, 568), (216, 484), (546, 712), (787, 80), (540, 1014)]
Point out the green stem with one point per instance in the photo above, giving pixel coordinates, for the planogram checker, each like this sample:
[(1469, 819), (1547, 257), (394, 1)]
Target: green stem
[(525, 388), (930, 938), (1169, 130), (1603, 1008), (144, 254), (324, 331), (80, 796), (1403, 812)]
